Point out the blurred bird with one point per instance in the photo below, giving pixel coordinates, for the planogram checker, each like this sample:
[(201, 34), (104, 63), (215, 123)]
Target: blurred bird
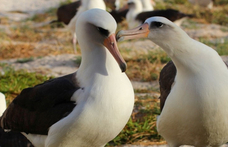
[(135, 8), (85, 5), (147, 5), (112, 4), (120, 14), (68, 13), (173, 15), (136, 16)]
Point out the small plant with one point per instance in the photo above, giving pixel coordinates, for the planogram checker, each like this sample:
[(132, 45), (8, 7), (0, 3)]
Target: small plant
[(78, 60), (25, 60), (146, 67)]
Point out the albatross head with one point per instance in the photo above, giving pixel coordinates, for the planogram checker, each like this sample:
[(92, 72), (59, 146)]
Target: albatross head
[(96, 30), (160, 30)]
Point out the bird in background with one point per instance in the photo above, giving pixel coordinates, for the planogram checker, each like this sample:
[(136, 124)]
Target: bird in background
[(147, 5), (135, 7), (136, 15), (195, 110), (86, 5), (120, 14), (68, 13)]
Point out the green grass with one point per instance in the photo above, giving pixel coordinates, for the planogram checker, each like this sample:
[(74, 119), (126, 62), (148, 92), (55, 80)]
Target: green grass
[(12, 82), (78, 60), (146, 67), (25, 60), (190, 24), (220, 45)]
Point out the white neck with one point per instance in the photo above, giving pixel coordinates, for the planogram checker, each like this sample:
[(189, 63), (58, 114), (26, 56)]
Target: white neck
[(191, 56), (96, 60), (147, 6), (132, 13), (136, 9), (117, 4)]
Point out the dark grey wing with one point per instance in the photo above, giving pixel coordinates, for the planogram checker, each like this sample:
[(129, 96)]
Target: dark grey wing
[(39, 107), (170, 14), (66, 12), (167, 76), (119, 15)]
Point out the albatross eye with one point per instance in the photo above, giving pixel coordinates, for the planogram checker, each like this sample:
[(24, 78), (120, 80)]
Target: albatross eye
[(103, 31), (157, 24)]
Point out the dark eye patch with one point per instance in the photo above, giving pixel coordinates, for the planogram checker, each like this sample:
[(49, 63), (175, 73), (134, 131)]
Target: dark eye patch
[(103, 31), (156, 24)]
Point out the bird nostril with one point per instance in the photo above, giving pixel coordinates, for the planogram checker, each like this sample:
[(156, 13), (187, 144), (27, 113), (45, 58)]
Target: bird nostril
[(140, 28)]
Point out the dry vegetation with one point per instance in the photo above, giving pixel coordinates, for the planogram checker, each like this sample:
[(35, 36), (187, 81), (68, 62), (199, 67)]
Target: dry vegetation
[(25, 41)]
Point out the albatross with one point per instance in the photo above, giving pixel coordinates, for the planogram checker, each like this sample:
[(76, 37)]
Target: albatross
[(196, 109), (86, 108)]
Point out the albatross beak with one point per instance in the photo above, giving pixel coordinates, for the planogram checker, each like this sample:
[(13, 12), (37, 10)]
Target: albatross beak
[(140, 32), (111, 45)]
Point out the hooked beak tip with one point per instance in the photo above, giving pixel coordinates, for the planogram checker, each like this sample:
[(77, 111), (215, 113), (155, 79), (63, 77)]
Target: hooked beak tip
[(141, 31), (119, 37), (123, 67)]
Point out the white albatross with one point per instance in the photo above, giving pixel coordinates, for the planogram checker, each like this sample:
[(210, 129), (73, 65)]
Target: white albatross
[(135, 7), (196, 109), (85, 109)]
